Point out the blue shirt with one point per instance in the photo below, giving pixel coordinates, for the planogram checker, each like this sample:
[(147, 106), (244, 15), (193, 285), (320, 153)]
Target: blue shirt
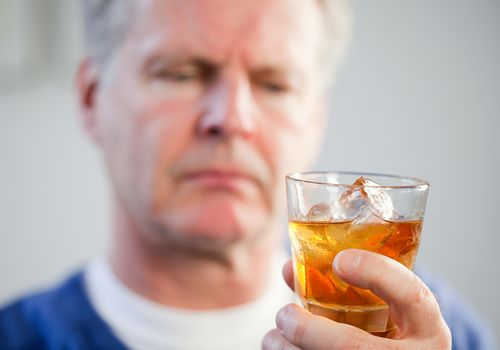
[(63, 318)]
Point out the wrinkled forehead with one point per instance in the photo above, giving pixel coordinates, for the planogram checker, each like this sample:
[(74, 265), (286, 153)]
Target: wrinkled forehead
[(263, 32)]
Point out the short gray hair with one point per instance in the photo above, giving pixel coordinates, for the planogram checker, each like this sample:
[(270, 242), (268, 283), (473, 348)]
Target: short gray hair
[(107, 21), (338, 31)]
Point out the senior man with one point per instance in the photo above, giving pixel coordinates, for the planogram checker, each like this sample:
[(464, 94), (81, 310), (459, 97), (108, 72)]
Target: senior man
[(200, 107)]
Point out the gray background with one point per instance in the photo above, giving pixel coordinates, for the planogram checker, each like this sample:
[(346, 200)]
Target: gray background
[(418, 95)]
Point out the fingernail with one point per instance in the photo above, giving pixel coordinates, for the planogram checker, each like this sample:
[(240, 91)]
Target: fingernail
[(346, 261), (281, 317)]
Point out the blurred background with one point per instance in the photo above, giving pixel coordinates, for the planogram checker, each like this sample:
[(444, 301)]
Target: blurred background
[(419, 95)]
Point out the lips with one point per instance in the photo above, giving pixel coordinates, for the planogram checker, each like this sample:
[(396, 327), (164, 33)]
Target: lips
[(222, 178)]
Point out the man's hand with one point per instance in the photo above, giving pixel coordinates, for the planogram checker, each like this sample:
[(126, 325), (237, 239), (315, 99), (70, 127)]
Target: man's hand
[(413, 309)]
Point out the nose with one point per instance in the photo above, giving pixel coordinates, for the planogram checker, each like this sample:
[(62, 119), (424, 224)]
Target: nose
[(230, 109)]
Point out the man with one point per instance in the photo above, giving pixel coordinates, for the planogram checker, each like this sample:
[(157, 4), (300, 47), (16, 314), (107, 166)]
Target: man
[(200, 108)]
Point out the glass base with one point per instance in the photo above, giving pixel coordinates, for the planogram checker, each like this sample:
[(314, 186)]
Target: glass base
[(373, 319)]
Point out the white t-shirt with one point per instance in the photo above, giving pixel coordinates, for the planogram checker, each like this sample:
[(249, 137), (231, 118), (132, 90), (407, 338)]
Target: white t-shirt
[(145, 325)]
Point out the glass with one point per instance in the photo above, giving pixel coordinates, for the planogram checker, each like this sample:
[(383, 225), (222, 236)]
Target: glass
[(329, 212)]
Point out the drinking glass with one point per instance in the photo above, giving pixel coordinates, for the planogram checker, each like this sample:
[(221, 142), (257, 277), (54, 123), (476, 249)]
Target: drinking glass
[(332, 211)]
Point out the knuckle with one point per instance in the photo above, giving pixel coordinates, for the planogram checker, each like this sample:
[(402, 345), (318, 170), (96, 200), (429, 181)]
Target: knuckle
[(295, 326), (445, 344), (296, 331), (444, 339), (356, 345), (266, 341), (274, 341), (349, 341), (441, 340), (418, 293), (419, 296)]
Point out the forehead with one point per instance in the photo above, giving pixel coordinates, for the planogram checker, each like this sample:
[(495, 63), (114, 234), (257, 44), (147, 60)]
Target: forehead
[(260, 31)]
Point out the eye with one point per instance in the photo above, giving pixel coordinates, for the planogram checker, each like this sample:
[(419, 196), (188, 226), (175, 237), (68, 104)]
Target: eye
[(274, 87), (178, 76)]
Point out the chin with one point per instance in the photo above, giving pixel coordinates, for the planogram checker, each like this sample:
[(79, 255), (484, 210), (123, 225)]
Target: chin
[(217, 221)]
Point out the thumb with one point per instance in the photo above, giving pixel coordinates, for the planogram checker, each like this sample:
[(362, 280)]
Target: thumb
[(412, 305)]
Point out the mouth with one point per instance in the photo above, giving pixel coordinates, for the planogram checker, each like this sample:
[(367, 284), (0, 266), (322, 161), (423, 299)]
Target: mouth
[(218, 178)]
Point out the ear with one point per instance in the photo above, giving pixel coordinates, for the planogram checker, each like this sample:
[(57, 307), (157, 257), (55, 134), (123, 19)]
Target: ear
[(87, 79)]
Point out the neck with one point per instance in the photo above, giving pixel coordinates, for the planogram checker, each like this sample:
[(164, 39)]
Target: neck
[(181, 276)]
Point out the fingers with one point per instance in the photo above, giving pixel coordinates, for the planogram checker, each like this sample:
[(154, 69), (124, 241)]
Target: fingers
[(412, 305), (288, 273), (273, 340), (309, 332), (413, 308)]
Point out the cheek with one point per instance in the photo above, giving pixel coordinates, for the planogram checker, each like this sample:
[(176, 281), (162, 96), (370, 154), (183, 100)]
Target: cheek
[(142, 137), (281, 147), (291, 134), (116, 134), (168, 145), (284, 151), (166, 130)]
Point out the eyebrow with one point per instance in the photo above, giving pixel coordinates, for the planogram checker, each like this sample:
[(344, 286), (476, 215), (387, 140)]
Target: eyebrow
[(269, 71), (210, 66), (289, 77), (176, 60)]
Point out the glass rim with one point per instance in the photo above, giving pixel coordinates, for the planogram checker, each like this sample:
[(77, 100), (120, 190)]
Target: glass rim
[(418, 183)]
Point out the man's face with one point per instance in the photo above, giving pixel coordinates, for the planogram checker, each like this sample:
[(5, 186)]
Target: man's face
[(206, 105)]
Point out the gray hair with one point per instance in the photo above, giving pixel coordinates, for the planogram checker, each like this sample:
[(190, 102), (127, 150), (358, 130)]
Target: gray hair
[(338, 30), (107, 21)]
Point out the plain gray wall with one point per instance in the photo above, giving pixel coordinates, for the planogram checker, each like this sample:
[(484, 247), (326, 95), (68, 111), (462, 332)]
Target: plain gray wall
[(418, 95)]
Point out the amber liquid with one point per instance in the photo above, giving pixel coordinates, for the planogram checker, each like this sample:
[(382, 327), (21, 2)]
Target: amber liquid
[(314, 246)]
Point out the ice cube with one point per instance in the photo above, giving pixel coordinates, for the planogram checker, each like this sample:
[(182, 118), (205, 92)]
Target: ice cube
[(367, 216), (319, 212), (365, 200), (379, 200), (350, 205)]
